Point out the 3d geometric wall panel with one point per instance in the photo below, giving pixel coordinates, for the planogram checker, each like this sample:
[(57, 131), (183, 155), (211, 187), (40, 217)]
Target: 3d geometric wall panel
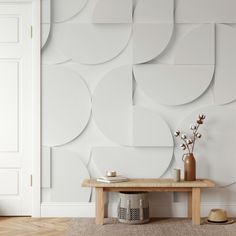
[(154, 11), (119, 120), (225, 74), (147, 63), (149, 129), (197, 47), (145, 38), (152, 30), (46, 20), (215, 151), (110, 41), (129, 161), (173, 84), (51, 54), (205, 11), (68, 172), (63, 10), (45, 33), (66, 105), (113, 11), (46, 161), (112, 105)]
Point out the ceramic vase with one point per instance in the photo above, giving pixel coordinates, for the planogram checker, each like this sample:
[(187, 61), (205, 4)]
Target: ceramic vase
[(189, 167)]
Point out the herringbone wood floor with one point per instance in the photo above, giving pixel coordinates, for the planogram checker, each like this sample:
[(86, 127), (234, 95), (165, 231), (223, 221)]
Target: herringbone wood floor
[(27, 226)]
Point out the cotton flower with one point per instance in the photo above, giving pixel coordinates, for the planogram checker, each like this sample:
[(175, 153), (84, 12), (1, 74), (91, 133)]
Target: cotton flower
[(198, 135), (193, 127), (202, 116), (183, 146), (177, 133), (189, 141), (199, 121)]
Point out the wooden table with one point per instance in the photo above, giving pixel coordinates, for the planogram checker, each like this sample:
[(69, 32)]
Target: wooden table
[(193, 188)]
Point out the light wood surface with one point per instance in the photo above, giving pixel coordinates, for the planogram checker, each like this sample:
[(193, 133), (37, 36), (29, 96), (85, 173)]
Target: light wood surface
[(28, 226), (193, 188), (201, 183), (99, 206), (190, 204), (196, 200), (146, 189)]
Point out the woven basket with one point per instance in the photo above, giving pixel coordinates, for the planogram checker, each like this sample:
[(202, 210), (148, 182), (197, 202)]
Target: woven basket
[(133, 207)]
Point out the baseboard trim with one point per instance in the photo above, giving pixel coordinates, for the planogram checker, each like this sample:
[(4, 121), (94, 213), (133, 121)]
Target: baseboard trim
[(85, 209), (82, 209)]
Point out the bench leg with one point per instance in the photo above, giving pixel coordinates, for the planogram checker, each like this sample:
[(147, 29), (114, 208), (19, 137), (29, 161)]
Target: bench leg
[(99, 206), (196, 199), (190, 204)]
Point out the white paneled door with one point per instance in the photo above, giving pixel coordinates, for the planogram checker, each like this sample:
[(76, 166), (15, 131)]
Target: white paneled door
[(15, 108)]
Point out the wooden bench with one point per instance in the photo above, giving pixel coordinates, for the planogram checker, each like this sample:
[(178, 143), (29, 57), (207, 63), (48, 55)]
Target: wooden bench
[(193, 188)]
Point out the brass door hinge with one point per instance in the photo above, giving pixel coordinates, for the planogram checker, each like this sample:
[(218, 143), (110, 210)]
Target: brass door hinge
[(31, 180), (31, 31)]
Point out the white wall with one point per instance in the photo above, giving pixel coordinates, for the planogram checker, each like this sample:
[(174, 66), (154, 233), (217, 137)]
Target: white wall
[(116, 86)]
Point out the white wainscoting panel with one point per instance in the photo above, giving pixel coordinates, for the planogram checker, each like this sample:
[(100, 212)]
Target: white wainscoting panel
[(9, 29), (9, 182), (9, 105)]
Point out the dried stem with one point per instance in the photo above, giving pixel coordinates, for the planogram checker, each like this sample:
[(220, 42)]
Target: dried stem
[(190, 143), (194, 137), (185, 143)]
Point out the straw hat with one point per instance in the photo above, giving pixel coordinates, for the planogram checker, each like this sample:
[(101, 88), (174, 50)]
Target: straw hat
[(218, 216)]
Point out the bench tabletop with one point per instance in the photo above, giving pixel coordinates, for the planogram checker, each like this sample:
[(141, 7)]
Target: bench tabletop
[(151, 183)]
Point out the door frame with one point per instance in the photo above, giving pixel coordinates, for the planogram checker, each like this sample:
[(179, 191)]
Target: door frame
[(36, 102), (36, 116)]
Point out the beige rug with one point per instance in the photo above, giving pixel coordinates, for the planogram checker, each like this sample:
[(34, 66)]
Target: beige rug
[(156, 227)]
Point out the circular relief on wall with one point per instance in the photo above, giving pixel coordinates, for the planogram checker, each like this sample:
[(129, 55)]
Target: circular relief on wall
[(120, 120), (66, 9), (68, 172), (173, 84), (45, 33), (66, 105), (88, 43), (133, 162)]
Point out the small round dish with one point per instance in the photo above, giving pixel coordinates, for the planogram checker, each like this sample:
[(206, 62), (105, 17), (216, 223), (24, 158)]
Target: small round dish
[(111, 173)]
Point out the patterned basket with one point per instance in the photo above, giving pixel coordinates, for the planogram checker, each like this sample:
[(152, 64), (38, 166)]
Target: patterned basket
[(133, 207)]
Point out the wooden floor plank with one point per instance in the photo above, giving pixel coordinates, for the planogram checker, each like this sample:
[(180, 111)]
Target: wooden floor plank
[(28, 226)]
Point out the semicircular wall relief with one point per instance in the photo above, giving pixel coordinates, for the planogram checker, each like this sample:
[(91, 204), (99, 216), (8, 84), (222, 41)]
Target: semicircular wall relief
[(66, 105), (91, 43), (63, 10), (121, 121)]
